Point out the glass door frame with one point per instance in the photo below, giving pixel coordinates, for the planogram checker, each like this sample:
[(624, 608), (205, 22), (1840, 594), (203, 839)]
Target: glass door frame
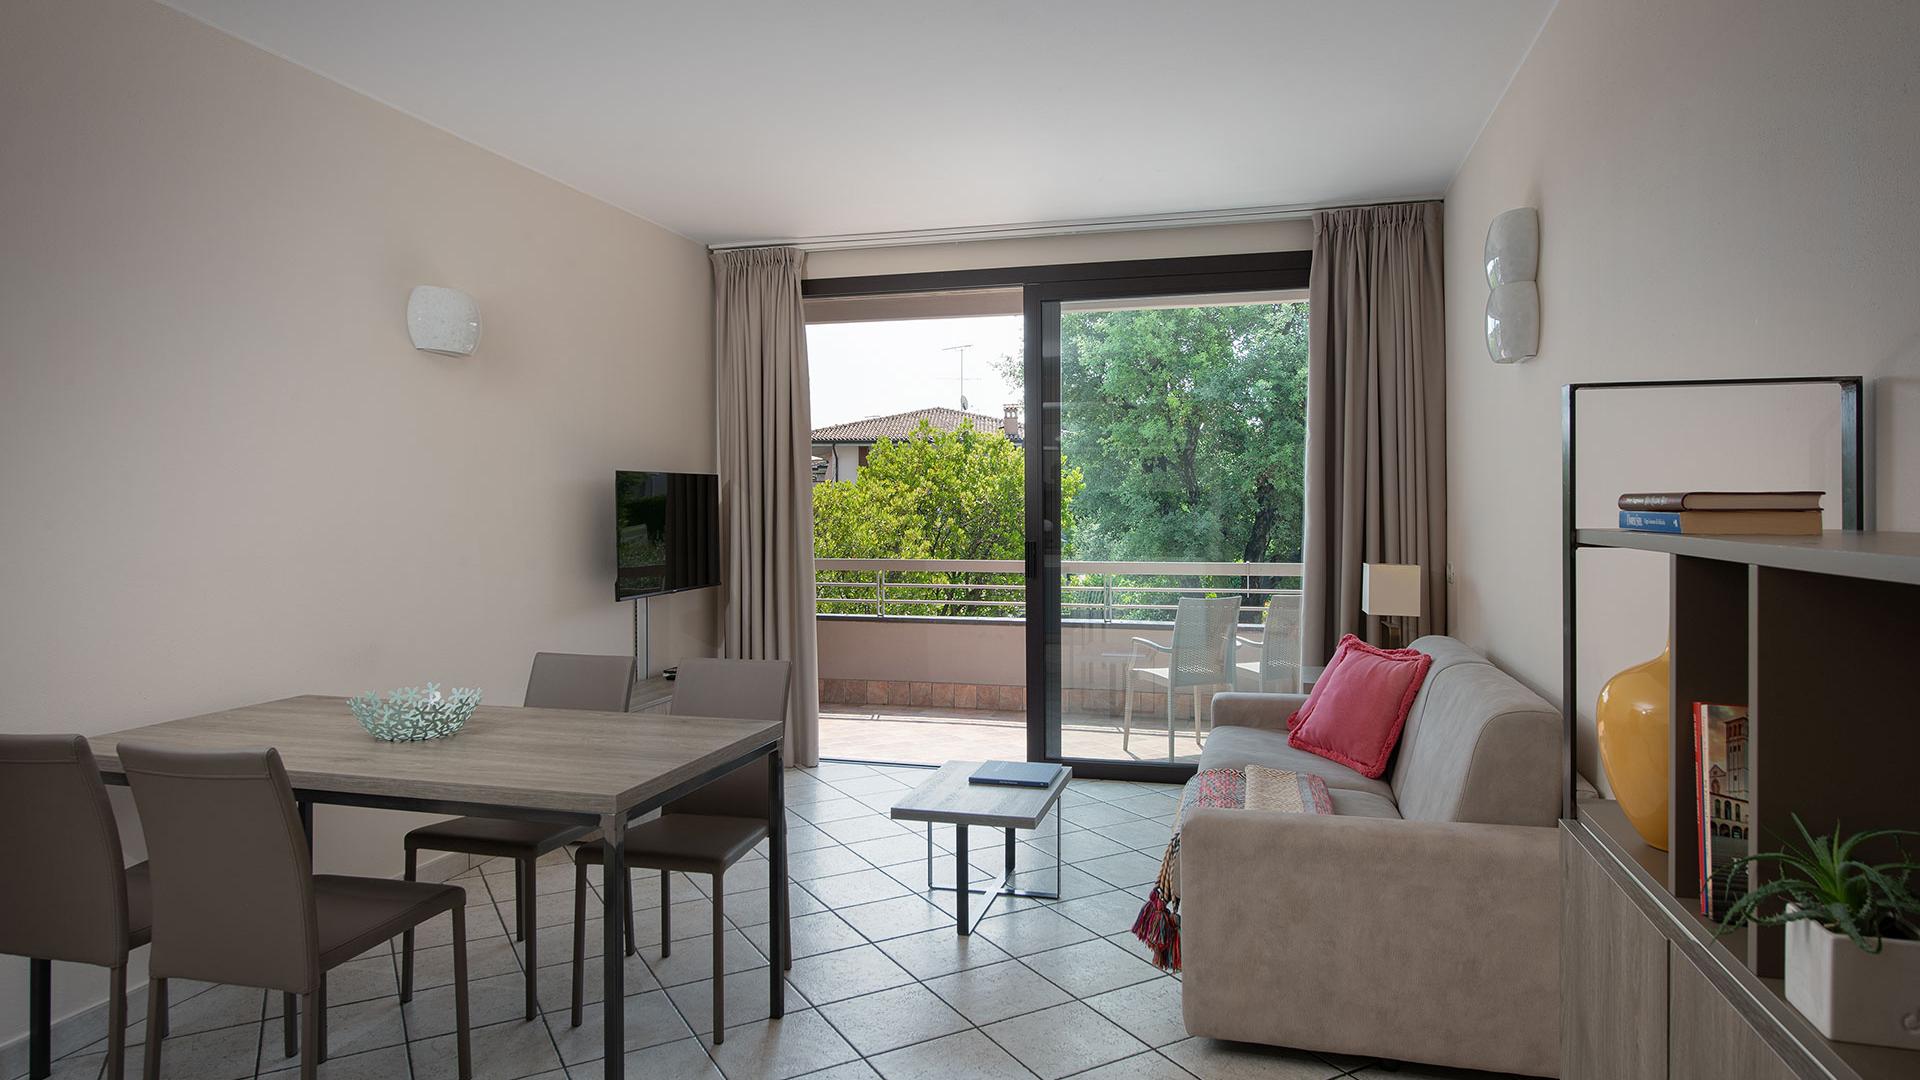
[(1247, 272), (1041, 304)]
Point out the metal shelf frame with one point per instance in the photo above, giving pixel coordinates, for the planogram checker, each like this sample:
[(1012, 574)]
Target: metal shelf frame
[(1856, 514)]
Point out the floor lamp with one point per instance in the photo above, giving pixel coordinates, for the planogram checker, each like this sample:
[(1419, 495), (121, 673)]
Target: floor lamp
[(1391, 592)]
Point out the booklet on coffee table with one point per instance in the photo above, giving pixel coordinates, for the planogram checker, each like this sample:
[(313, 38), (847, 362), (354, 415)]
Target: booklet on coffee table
[(1034, 774)]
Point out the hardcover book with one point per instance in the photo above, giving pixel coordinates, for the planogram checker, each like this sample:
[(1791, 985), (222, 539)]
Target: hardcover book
[(1722, 809), (1034, 774), (1676, 501), (1724, 522)]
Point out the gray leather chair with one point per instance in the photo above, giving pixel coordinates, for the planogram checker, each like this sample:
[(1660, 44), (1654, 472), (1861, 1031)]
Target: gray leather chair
[(235, 899), (705, 832), (558, 681), (70, 895)]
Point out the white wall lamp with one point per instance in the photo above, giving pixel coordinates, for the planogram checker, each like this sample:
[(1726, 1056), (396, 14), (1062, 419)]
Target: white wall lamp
[(1513, 306), (442, 320)]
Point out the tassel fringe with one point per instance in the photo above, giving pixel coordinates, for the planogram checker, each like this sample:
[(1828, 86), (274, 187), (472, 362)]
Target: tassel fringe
[(1158, 926)]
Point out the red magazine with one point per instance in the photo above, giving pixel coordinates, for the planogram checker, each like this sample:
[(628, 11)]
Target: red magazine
[(1722, 807)]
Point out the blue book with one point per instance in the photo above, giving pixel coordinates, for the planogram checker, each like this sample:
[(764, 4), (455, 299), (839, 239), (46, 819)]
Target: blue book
[(1649, 521), (1724, 522), (1034, 774)]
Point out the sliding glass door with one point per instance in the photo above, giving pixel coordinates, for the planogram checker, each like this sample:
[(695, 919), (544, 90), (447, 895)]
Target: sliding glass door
[(1165, 472)]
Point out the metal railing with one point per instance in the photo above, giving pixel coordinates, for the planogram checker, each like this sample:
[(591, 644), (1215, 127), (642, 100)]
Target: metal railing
[(1092, 592)]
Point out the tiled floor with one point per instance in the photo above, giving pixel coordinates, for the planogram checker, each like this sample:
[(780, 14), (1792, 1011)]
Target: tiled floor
[(930, 735), (881, 985)]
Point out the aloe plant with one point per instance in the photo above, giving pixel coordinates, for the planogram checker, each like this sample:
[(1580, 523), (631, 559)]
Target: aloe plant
[(1821, 880)]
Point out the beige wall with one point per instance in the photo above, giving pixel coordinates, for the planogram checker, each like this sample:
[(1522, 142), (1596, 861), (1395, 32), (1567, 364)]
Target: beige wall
[(1725, 189), (226, 474), (1295, 235)]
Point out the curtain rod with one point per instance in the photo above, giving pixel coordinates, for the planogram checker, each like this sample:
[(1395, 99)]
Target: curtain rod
[(1024, 230)]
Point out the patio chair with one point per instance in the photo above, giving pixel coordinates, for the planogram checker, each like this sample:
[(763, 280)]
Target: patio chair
[(1278, 669), (1200, 657)]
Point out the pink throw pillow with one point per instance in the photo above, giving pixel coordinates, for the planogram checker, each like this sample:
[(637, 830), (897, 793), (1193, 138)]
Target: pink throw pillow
[(1358, 707)]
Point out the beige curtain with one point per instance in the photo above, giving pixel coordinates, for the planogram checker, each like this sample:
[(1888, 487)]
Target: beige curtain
[(1376, 417), (766, 483)]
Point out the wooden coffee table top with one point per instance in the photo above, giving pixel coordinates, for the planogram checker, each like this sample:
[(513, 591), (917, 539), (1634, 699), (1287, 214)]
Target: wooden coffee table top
[(947, 798)]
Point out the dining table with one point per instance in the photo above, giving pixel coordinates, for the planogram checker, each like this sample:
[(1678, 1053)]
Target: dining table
[(562, 766)]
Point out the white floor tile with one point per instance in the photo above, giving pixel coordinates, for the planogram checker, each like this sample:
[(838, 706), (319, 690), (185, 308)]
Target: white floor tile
[(893, 1018), (1063, 1040), (969, 1054), (801, 1043)]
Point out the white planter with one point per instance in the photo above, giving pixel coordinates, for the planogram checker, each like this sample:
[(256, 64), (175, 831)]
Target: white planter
[(1852, 995)]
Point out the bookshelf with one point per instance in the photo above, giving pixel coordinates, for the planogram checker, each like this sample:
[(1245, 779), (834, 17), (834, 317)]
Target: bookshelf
[(1819, 636)]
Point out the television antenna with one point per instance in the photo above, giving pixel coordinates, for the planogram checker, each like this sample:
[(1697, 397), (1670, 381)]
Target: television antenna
[(962, 350)]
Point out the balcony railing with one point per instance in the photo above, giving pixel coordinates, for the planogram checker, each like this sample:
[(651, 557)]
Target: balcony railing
[(994, 589)]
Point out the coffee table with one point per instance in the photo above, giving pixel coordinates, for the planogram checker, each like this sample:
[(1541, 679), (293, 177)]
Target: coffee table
[(946, 798)]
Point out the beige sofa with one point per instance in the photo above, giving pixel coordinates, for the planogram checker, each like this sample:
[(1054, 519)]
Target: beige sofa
[(1419, 922)]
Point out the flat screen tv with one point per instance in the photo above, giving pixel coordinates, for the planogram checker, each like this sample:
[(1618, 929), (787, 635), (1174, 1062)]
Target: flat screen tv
[(667, 532)]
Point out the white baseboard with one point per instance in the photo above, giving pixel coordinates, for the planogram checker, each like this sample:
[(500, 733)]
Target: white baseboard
[(84, 1026)]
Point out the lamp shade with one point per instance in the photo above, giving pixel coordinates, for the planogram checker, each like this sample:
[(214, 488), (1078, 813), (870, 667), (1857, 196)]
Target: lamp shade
[(442, 320), (1390, 589), (1513, 302), (1513, 322), (1512, 251)]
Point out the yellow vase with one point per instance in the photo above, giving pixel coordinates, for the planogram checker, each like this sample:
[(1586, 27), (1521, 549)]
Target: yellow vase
[(1636, 735)]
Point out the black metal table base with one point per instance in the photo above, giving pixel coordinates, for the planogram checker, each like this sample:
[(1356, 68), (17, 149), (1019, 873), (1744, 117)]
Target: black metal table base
[(964, 889)]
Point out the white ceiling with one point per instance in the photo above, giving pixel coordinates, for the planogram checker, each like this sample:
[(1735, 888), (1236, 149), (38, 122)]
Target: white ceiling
[(773, 119)]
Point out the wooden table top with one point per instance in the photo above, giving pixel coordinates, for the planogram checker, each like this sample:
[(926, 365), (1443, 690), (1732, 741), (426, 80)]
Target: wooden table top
[(948, 797), (564, 760)]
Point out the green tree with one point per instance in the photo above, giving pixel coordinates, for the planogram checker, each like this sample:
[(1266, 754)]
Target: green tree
[(1188, 425), (933, 495)]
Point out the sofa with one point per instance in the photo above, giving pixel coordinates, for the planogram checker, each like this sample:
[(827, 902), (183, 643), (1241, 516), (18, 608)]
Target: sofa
[(1420, 921)]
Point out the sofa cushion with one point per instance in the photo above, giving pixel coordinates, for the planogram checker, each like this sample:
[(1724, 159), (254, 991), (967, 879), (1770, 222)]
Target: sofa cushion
[(1238, 747), (1478, 746), (1347, 803), (1358, 707)]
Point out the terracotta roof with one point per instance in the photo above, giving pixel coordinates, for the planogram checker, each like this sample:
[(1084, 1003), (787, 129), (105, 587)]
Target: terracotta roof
[(900, 425)]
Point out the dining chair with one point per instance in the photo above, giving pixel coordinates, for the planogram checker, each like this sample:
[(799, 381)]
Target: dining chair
[(70, 896), (1200, 656), (1278, 669), (707, 831), (236, 901), (558, 681)]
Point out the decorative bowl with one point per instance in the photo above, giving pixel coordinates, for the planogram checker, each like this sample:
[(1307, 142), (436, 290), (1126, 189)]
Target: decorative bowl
[(414, 714)]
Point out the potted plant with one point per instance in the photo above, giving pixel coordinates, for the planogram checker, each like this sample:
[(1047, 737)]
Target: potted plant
[(1853, 935)]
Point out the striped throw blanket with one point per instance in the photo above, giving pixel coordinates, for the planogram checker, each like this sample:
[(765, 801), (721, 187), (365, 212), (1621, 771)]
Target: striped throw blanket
[(1255, 788)]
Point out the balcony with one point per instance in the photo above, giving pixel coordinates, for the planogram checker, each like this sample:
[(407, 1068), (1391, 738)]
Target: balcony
[(924, 660)]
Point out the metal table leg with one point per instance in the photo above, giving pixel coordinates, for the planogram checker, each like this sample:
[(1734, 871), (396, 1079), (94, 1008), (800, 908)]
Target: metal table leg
[(966, 916), (779, 948), (613, 891), (961, 880)]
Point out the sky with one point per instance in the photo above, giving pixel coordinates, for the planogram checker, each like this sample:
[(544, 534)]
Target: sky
[(867, 369)]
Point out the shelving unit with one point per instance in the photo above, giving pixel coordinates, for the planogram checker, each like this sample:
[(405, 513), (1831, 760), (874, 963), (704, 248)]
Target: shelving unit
[(1818, 637)]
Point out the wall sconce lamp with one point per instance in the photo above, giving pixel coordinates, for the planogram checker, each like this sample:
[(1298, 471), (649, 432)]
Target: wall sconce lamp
[(442, 320), (1513, 307)]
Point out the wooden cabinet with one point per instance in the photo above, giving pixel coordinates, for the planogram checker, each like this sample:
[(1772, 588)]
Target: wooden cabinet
[(1649, 992), (1707, 1039), (1613, 1006)]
